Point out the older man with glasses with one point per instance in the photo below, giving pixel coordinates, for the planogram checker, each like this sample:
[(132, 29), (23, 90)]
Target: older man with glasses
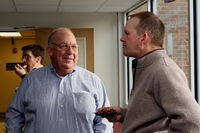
[(61, 97)]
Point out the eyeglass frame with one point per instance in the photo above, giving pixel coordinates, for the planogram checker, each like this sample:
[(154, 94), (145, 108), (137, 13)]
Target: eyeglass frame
[(65, 46), (25, 57)]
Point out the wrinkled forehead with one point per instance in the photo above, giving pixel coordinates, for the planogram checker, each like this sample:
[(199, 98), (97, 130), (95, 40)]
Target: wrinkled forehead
[(63, 36)]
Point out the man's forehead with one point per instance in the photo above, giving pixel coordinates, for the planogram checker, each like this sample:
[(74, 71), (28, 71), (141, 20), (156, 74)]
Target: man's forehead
[(132, 23), (62, 34), (27, 52)]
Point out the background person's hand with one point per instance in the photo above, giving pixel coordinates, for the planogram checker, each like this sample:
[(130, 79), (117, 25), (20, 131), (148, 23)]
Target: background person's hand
[(19, 70), (113, 113)]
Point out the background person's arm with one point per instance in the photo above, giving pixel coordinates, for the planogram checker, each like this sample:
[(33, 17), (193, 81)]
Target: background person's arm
[(19, 70)]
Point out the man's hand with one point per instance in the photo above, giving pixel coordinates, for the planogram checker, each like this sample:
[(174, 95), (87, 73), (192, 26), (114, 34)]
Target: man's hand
[(113, 113), (19, 70)]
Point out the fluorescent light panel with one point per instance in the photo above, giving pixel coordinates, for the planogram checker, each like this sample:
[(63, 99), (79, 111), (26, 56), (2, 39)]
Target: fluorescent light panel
[(10, 34)]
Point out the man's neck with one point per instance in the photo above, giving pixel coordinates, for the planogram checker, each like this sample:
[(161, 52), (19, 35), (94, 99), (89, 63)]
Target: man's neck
[(39, 66)]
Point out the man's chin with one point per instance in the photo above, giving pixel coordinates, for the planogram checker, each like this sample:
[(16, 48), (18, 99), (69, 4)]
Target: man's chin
[(69, 65)]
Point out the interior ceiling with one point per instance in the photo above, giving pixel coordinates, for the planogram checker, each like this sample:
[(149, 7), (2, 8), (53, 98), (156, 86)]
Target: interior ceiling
[(61, 6), (80, 6)]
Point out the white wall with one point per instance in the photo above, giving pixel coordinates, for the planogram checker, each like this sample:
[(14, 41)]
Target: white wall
[(105, 39)]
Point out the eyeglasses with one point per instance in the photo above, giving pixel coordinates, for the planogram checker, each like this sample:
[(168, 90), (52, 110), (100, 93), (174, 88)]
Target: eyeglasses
[(65, 46), (25, 57)]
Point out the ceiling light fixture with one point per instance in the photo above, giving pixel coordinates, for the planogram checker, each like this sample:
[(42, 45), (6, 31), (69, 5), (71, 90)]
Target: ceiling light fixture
[(9, 34)]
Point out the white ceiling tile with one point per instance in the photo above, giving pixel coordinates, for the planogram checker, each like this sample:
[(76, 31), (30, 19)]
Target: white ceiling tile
[(36, 2), (36, 8), (66, 5), (121, 2), (112, 9), (7, 8), (82, 2), (78, 8), (6, 2)]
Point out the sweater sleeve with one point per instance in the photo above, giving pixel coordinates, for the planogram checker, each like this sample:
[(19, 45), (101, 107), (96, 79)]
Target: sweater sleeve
[(174, 96), (123, 113)]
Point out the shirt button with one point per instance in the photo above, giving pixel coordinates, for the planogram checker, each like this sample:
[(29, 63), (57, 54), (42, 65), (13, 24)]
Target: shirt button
[(61, 105), (61, 92), (60, 119)]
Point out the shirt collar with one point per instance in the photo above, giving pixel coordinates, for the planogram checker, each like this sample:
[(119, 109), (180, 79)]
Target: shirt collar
[(53, 70)]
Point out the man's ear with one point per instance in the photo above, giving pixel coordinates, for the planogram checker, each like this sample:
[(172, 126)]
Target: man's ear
[(144, 38), (39, 59), (49, 50)]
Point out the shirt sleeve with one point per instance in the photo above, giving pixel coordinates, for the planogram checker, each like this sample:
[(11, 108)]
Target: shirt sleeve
[(123, 114), (102, 125), (23, 76), (15, 120)]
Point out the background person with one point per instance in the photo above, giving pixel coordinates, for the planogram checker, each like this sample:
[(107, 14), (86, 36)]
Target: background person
[(32, 57), (161, 100), (61, 97)]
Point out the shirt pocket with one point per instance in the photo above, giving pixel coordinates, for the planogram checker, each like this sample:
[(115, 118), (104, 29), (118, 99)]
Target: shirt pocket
[(84, 102)]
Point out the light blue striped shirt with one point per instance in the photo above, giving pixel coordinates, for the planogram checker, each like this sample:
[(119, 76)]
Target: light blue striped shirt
[(51, 104)]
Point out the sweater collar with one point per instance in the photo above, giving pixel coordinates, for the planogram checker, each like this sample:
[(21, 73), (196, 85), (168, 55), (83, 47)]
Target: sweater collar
[(149, 58)]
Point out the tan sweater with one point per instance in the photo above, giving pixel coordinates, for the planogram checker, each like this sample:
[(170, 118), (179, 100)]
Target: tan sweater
[(161, 99)]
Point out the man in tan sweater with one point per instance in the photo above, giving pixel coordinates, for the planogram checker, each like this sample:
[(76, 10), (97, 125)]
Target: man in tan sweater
[(160, 101)]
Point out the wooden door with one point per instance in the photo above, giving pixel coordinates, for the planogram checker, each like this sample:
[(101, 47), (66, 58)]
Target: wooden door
[(41, 38)]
